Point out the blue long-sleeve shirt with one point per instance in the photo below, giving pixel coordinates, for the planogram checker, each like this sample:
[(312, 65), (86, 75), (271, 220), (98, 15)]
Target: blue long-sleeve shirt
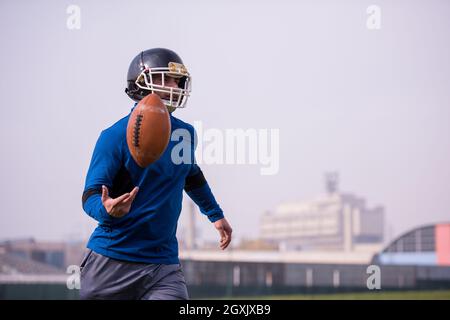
[(147, 233)]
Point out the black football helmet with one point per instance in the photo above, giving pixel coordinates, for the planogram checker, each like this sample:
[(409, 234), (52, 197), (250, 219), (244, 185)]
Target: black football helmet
[(163, 62)]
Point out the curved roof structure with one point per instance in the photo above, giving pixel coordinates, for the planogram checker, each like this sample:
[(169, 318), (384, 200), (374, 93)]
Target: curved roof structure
[(425, 245)]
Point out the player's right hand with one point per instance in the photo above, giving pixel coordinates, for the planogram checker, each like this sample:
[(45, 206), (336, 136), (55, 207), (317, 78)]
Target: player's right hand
[(119, 206)]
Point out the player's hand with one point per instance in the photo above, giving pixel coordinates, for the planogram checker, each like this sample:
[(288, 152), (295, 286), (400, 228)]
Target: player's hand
[(119, 206), (225, 231)]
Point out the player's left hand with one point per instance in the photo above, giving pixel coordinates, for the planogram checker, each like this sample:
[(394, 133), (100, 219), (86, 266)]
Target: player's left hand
[(225, 231)]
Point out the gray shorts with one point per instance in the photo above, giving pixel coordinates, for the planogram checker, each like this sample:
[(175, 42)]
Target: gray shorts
[(106, 278)]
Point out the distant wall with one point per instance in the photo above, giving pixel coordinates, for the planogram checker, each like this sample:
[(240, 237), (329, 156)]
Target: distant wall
[(209, 279)]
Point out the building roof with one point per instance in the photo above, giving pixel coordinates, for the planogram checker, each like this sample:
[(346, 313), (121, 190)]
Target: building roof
[(307, 257), (14, 264), (424, 245), (16, 269)]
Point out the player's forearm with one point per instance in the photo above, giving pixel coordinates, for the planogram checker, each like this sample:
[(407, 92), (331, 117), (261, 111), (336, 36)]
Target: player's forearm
[(204, 199), (199, 191), (93, 206)]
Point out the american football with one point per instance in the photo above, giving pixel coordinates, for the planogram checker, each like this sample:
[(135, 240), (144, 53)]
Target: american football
[(148, 130)]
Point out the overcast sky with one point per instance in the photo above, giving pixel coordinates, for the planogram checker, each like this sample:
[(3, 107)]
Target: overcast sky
[(370, 104)]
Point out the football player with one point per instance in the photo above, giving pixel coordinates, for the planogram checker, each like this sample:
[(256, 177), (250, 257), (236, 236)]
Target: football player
[(133, 252)]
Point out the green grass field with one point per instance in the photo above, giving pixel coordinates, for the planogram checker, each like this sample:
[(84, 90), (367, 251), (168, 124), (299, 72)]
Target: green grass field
[(379, 295)]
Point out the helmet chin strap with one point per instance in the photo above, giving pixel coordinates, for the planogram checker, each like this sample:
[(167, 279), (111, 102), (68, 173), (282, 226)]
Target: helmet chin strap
[(169, 107)]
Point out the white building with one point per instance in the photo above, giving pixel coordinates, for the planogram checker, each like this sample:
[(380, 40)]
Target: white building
[(334, 221)]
